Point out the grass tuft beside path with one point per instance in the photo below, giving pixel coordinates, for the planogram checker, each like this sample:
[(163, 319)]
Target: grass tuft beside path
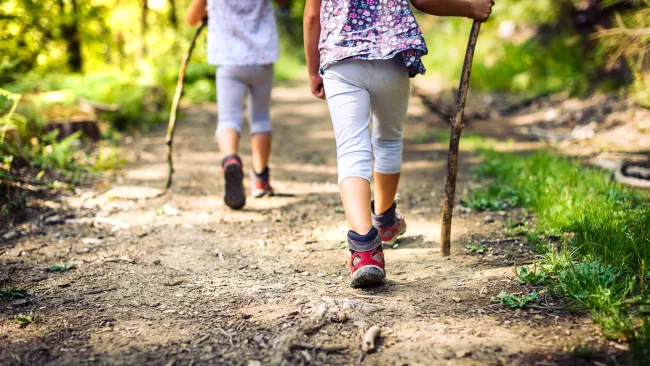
[(596, 234)]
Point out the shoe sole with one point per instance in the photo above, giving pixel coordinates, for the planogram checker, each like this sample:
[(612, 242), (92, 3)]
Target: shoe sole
[(235, 196), (261, 193), (368, 276)]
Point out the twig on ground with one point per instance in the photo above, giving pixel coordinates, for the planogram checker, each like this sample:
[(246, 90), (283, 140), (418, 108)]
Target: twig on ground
[(325, 348), (229, 335), (100, 291), (369, 296), (368, 341), (119, 260)]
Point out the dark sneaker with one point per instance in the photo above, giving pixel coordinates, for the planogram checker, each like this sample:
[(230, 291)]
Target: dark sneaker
[(260, 184), (367, 259), (235, 195), (391, 224)]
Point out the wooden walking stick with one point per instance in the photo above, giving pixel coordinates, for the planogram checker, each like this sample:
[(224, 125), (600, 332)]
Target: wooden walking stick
[(454, 139), (173, 115)]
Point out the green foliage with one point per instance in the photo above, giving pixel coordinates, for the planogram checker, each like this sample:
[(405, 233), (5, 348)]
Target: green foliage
[(63, 267), (11, 293), (25, 320), (599, 262), (514, 229), (473, 248), (515, 300), (533, 277), (494, 199)]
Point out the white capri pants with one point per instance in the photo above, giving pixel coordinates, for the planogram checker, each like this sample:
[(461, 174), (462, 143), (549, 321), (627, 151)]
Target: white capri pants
[(232, 83), (357, 90)]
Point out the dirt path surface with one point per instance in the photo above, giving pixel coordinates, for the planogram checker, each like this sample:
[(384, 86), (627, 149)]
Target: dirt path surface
[(183, 280)]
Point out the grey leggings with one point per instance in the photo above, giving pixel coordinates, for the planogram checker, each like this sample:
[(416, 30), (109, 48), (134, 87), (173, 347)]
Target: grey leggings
[(357, 92), (232, 83)]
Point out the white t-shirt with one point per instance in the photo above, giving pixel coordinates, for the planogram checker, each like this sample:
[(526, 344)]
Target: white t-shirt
[(242, 33)]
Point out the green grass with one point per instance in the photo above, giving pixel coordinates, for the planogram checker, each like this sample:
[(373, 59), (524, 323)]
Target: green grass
[(515, 300), (11, 293), (596, 236), (63, 267), (473, 248), (25, 320)]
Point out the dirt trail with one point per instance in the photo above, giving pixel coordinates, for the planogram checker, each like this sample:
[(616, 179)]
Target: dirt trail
[(183, 280)]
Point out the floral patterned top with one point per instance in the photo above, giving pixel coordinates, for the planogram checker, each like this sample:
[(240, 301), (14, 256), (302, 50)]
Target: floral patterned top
[(242, 33), (370, 29)]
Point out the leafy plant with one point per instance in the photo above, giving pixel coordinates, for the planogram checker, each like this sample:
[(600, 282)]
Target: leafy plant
[(63, 267), (25, 320), (12, 293), (473, 248), (534, 277), (513, 300), (514, 228), (493, 199)]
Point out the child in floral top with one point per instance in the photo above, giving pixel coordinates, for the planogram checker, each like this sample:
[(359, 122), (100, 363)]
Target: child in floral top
[(243, 43), (360, 55)]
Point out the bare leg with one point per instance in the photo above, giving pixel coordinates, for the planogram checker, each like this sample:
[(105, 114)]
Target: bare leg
[(228, 139), (355, 194), (261, 146), (385, 191)]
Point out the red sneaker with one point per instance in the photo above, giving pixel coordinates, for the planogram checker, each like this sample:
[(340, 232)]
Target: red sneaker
[(260, 187), (391, 224), (389, 234), (367, 266), (235, 194)]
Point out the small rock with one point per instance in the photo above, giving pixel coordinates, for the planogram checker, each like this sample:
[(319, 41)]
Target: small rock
[(463, 353), (498, 349), (305, 273), (456, 299), (170, 210), (339, 317), (261, 243), (53, 220), (20, 302), (207, 349), (156, 262), (91, 241), (11, 235), (488, 219), (396, 245), (254, 363)]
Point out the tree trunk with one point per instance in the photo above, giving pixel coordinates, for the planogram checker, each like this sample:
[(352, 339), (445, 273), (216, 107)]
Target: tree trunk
[(142, 51), (173, 19), (72, 35)]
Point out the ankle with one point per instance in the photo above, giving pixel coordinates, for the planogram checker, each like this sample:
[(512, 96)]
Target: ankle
[(362, 243), (229, 159), (264, 174), (384, 219)]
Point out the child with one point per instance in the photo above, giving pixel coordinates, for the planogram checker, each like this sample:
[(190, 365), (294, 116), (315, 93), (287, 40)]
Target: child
[(360, 55), (243, 43)]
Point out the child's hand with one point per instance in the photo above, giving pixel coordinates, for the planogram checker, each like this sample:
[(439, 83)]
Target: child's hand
[(481, 9), (316, 84)]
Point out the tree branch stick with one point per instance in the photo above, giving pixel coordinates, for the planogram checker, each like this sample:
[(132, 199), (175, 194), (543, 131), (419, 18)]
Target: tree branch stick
[(173, 115), (456, 129)]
